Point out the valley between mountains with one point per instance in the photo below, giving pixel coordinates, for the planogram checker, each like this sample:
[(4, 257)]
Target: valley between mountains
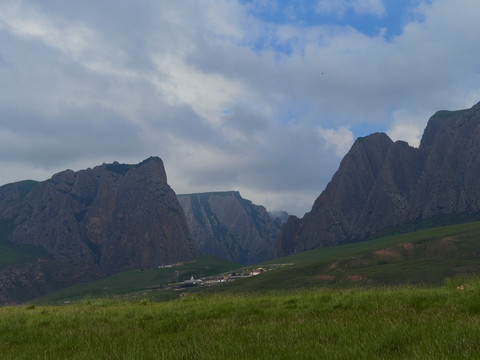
[(79, 227)]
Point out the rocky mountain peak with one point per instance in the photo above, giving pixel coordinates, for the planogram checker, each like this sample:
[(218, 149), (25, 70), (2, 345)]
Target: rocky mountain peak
[(98, 221), (380, 184)]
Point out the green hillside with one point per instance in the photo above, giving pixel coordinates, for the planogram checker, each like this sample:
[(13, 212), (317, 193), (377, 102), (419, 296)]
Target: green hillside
[(423, 257), (152, 282)]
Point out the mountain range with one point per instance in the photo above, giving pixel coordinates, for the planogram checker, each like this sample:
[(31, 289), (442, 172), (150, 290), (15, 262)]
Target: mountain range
[(81, 226), (84, 225)]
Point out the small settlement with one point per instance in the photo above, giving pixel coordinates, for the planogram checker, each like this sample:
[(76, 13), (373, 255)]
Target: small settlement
[(222, 278)]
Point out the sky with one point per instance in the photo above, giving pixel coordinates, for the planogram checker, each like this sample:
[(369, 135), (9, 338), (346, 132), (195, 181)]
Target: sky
[(260, 96)]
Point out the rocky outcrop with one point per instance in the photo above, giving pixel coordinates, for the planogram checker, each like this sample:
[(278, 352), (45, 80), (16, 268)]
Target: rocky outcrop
[(226, 225), (382, 184), (95, 222)]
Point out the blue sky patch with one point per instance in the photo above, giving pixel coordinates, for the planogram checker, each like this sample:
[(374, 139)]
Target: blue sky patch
[(306, 13)]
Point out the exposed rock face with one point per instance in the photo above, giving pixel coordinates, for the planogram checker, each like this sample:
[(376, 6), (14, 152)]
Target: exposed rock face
[(226, 225), (96, 222), (380, 184)]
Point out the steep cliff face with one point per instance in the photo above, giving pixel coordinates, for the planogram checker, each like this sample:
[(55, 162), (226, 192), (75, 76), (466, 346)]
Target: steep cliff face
[(97, 222), (381, 183), (226, 225)]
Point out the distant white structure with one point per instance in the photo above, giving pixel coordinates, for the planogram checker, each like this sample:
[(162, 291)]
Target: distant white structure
[(192, 281)]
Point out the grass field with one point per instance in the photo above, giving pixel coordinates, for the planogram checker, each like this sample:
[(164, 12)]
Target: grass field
[(135, 283), (381, 323), (382, 242), (424, 257)]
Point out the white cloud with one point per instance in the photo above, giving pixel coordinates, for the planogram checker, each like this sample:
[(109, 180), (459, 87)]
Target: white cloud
[(340, 139), (407, 127), (369, 7), (75, 40), (336, 7), (405, 132), (207, 94), (359, 7), (222, 18)]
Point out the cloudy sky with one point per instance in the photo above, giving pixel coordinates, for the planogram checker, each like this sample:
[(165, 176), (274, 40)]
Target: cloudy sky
[(260, 96)]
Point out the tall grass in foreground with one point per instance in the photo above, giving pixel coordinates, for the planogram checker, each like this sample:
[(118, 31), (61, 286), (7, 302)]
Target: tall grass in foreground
[(388, 323)]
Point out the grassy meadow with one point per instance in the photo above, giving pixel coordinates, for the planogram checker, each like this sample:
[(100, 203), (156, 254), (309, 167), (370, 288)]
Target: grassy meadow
[(136, 283), (381, 323)]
